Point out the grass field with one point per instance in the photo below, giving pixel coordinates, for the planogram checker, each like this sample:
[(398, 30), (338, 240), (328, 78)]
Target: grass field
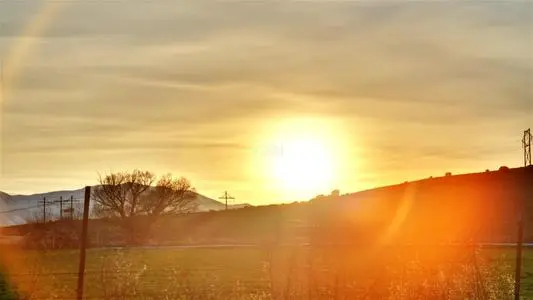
[(229, 273)]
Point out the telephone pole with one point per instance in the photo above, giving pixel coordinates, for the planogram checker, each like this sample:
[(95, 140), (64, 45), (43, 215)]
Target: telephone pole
[(226, 197), (44, 210), (83, 243), (43, 202), (72, 207), (61, 201), (526, 144)]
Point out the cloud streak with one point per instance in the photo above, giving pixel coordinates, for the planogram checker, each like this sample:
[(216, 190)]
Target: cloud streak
[(148, 76)]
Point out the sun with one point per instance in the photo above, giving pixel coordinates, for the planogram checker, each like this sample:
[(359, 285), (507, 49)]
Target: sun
[(303, 164), (304, 158)]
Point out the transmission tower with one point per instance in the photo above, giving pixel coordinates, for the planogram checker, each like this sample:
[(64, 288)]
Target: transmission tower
[(526, 143)]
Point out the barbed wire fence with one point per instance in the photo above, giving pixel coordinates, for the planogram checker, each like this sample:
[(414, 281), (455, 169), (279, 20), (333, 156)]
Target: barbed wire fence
[(155, 283)]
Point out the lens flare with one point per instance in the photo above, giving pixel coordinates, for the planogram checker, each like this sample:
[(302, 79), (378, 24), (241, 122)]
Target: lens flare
[(12, 66)]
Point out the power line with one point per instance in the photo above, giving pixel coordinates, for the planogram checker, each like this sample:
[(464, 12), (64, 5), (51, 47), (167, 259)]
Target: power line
[(19, 209), (55, 202), (61, 201)]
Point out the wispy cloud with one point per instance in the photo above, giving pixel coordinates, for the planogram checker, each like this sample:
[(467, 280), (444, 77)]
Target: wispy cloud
[(110, 75)]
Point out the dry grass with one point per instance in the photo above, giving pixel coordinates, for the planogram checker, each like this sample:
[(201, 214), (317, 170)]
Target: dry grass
[(276, 273)]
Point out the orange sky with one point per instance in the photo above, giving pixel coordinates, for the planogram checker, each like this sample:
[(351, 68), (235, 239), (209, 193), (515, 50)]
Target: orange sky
[(375, 93)]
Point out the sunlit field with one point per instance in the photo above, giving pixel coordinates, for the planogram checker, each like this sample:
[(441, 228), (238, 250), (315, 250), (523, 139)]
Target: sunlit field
[(266, 273), (404, 244)]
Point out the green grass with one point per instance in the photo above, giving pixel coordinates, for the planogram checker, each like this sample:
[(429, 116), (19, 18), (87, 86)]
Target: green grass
[(216, 270), (509, 256), (221, 267)]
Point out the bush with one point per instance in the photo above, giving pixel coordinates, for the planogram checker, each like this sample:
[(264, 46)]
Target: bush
[(56, 235), (6, 291)]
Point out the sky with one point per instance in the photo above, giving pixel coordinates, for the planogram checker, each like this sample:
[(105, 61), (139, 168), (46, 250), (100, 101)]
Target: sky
[(259, 97)]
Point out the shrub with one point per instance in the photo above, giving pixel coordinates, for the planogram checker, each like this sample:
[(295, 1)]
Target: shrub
[(6, 290)]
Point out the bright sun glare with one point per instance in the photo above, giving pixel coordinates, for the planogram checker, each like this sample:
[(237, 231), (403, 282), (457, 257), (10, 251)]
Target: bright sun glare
[(304, 158), (303, 163)]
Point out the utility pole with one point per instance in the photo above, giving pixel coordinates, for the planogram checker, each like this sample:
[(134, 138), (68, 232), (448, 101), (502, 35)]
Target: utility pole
[(46, 203), (60, 201), (70, 210), (226, 197), (526, 144), (83, 243), (72, 207), (44, 210), (43, 202)]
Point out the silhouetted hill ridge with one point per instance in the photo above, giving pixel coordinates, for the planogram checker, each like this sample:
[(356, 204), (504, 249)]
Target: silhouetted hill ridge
[(475, 207)]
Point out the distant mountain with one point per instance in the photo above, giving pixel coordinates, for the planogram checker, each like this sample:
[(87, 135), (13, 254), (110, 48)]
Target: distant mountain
[(18, 209), (207, 204), (4, 196)]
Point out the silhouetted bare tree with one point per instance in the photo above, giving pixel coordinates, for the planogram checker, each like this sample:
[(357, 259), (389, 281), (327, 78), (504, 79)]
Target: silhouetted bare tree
[(138, 199)]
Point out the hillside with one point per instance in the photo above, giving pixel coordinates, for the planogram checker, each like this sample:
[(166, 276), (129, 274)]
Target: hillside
[(4, 196), (471, 207), (480, 207)]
